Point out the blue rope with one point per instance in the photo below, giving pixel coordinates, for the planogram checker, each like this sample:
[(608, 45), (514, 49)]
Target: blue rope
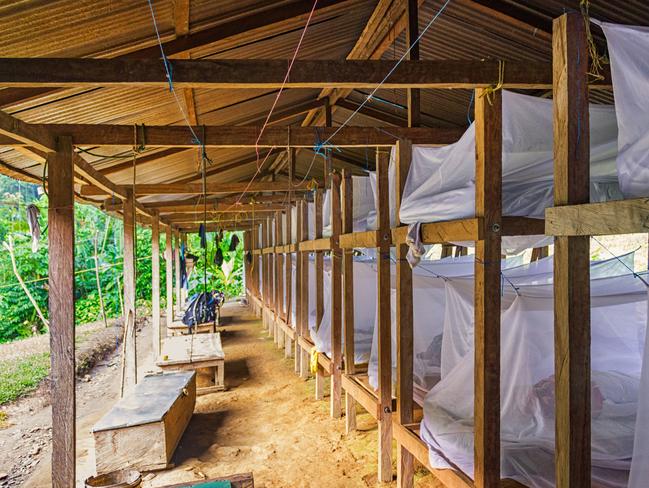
[(405, 54), (468, 110), (165, 60)]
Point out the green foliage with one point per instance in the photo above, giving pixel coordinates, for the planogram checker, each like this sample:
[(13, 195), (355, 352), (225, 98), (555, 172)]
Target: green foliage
[(17, 315), (19, 376), (229, 276)]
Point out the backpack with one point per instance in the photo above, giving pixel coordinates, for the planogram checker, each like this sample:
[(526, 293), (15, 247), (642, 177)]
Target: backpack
[(200, 309)]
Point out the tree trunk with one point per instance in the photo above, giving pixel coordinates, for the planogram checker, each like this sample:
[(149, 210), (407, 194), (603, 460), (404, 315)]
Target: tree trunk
[(9, 246)]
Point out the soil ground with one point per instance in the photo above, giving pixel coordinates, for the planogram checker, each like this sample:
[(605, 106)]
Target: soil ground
[(267, 422)]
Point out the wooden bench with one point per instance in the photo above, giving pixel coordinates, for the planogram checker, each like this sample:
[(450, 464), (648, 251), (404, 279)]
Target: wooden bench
[(194, 352), (143, 429), (177, 328)]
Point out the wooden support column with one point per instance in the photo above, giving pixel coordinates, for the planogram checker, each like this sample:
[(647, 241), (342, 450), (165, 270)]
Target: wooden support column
[(270, 281), (488, 205), (384, 319), (264, 271), (183, 289), (405, 329), (60, 217), (288, 346), (177, 269), (319, 287), (336, 301), (247, 248), (279, 282), (130, 343), (348, 297), (412, 32), (297, 354), (155, 285), (304, 290), (169, 276), (571, 254)]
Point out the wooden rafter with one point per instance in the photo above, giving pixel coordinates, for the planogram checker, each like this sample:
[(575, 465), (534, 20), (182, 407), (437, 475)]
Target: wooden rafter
[(189, 189), (174, 45), (270, 73), (248, 136)]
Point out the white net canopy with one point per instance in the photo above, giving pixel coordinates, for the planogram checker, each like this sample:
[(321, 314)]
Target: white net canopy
[(364, 311), (619, 318), (628, 47), (441, 180), (363, 204)]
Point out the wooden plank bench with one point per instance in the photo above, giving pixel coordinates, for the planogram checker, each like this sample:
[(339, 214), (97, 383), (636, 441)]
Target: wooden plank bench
[(194, 352), (177, 328), (143, 429)]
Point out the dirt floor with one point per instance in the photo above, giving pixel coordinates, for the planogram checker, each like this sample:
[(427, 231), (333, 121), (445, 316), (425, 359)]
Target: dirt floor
[(267, 422)]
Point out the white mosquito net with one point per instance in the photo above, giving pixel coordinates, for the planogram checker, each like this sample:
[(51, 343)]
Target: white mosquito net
[(459, 312), (628, 47), (428, 284), (364, 311), (619, 318), (441, 181), (363, 204), (294, 283), (441, 341)]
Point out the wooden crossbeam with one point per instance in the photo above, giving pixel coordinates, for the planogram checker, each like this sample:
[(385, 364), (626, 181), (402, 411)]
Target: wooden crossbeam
[(197, 213), (608, 218), (270, 73), (103, 185), (193, 188), (248, 136), (34, 135), (211, 207)]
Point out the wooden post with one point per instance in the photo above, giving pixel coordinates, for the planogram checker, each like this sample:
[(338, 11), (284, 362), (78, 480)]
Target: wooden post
[(155, 285), (304, 289), (412, 32), (61, 313), (177, 268), (319, 287), (348, 300), (405, 330), (279, 278), (288, 346), (183, 289), (298, 290), (129, 369), (169, 275), (336, 301), (571, 254), (270, 280), (384, 319), (264, 275), (488, 205)]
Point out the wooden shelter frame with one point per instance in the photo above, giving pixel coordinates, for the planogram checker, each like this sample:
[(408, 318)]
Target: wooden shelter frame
[(571, 221)]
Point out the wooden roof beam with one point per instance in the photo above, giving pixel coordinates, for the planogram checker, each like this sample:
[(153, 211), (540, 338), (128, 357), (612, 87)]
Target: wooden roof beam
[(270, 73), (248, 136), (184, 44), (214, 214), (190, 189), (211, 207), (33, 135)]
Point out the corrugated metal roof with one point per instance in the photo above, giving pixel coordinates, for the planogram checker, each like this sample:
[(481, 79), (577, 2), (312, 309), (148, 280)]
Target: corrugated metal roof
[(468, 29)]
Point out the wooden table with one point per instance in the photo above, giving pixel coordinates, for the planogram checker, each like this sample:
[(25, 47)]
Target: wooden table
[(192, 352)]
